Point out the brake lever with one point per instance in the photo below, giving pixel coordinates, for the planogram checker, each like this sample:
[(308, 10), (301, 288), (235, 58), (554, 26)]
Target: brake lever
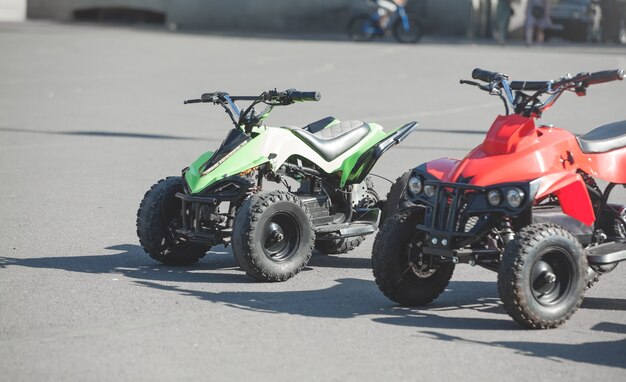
[(480, 86), (468, 82), (196, 100), (487, 88)]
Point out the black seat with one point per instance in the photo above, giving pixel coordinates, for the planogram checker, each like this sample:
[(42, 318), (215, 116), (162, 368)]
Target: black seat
[(332, 141), (604, 138), (326, 129), (316, 126)]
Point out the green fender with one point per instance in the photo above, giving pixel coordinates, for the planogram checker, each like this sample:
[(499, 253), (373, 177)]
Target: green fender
[(246, 157), (348, 170)]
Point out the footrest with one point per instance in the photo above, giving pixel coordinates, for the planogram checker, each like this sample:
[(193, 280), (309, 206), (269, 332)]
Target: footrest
[(606, 253), (345, 230)]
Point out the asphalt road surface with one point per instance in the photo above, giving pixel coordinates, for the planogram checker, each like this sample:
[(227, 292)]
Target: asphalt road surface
[(91, 117)]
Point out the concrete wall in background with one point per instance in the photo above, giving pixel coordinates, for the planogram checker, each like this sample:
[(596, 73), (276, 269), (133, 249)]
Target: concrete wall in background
[(12, 10), (263, 15), (445, 17), (63, 10)]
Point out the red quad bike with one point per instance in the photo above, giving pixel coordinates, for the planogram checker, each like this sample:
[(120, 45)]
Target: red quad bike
[(524, 203)]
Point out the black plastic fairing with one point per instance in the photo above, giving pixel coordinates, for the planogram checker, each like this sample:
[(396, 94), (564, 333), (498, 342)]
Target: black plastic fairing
[(231, 188), (554, 214), (234, 138), (371, 156)]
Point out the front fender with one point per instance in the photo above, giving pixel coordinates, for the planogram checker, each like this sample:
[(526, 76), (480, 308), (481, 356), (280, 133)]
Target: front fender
[(572, 193), (192, 174), (245, 158), (441, 168)]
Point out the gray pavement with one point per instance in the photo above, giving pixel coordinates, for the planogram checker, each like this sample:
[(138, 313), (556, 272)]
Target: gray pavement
[(91, 116)]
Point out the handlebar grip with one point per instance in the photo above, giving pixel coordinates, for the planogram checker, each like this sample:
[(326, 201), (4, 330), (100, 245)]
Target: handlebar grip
[(207, 97), (484, 75), (298, 96), (605, 76), (528, 85)]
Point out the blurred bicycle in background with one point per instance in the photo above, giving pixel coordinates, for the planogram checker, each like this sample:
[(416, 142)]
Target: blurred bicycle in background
[(387, 16)]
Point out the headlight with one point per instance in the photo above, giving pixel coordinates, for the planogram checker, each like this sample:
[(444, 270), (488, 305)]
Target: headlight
[(515, 197), (494, 197), (415, 185), (429, 190)]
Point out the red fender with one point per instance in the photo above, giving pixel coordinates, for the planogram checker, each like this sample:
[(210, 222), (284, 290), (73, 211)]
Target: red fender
[(442, 167), (607, 166), (572, 193)]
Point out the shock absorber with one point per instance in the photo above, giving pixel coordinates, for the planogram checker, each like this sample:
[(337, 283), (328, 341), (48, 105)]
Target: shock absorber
[(506, 230)]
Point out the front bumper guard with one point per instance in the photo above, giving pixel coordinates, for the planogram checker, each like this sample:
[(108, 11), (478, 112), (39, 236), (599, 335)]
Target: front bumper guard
[(458, 215)]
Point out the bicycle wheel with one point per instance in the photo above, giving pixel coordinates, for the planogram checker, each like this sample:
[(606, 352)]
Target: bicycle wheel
[(411, 35)]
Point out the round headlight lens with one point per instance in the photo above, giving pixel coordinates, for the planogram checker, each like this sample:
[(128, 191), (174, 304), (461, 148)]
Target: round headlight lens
[(515, 197), (415, 185), (494, 197), (429, 190)]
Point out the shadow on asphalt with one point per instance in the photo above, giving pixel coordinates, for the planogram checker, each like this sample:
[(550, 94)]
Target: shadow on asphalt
[(348, 298), (161, 136), (115, 134), (606, 353), (134, 263), (599, 303), (109, 134)]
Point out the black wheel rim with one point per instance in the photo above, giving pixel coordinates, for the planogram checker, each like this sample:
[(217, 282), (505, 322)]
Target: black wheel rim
[(369, 200), (417, 264), (551, 276), (281, 237)]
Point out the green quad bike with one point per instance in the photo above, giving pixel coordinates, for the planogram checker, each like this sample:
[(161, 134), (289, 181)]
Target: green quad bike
[(328, 203)]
